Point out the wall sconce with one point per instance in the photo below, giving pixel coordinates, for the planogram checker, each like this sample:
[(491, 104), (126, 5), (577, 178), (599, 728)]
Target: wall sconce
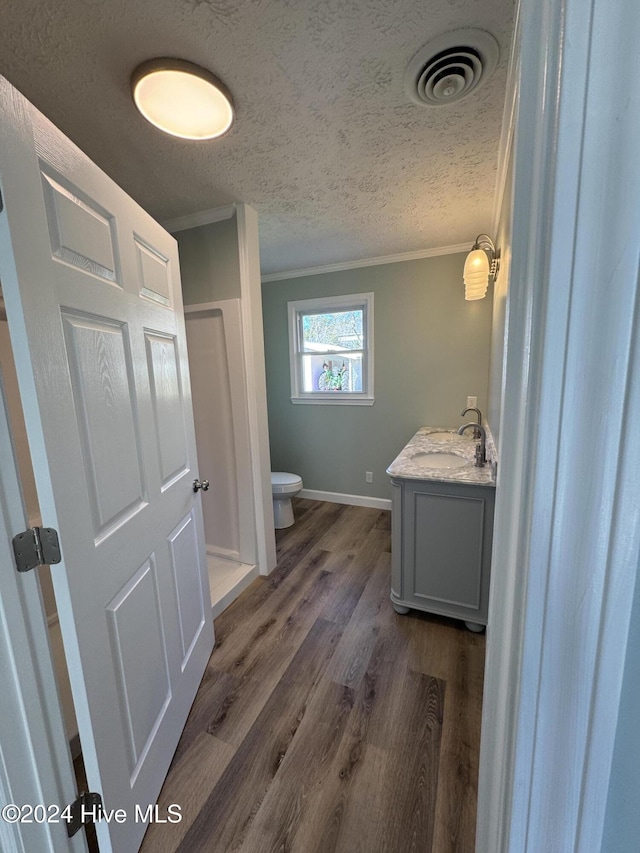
[(482, 262)]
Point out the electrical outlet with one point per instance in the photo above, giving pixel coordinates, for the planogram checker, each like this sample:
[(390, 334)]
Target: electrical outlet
[(472, 402), (368, 476)]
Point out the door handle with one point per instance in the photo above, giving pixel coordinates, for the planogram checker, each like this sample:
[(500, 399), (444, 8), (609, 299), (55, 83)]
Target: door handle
[(204, 485)]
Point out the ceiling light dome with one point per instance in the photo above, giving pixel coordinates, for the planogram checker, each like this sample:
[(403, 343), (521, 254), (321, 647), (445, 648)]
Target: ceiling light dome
[(182, 99)]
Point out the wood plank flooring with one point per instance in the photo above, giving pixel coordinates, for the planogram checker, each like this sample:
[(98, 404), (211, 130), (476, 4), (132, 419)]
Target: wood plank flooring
[(325, 722)]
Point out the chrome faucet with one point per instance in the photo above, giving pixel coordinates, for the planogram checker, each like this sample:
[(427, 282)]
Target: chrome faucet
[(476, 432), (481, 454)]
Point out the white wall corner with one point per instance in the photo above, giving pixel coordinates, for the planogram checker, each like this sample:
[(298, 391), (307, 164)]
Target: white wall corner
[(251, 303)]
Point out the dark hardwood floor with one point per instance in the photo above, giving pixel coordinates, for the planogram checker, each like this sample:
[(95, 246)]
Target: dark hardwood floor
[(325, 722)]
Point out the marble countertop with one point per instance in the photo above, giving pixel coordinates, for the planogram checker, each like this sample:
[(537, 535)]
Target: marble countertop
[(444, 440)]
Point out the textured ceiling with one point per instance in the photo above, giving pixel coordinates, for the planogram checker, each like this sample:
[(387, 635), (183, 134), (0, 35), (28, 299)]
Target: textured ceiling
[(339, 164)]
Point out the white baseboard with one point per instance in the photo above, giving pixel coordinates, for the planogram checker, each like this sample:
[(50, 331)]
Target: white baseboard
[(352, 500)]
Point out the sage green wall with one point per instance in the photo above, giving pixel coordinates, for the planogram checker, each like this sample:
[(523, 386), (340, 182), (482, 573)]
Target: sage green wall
[(431, 351), (210, 262)]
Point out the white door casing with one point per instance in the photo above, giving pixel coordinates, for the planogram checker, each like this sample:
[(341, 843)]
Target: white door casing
[(35, 762), (253, 365), (92, 292), (255, 376), (567, 533)]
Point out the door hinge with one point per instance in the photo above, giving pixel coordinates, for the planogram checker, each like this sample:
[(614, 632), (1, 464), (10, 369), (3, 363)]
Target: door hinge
[(85, 810), (37, 546)]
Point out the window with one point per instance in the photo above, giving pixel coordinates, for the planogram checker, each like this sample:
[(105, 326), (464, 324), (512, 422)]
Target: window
[(331, 350)]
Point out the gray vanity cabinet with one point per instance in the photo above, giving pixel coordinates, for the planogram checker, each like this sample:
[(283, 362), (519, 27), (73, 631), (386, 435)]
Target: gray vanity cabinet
[(441, 547)]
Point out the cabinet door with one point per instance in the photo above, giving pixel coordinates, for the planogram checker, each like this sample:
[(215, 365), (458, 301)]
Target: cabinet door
[(448, 544)]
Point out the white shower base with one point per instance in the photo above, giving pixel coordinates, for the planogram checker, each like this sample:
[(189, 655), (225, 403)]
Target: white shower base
[(227, 579)]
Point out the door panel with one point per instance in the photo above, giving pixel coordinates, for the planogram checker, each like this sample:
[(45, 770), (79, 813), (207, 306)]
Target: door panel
[(183, 544), (92, 292), (138, 644), (153, 273), (99, 360), (81, 234), (168, 405)]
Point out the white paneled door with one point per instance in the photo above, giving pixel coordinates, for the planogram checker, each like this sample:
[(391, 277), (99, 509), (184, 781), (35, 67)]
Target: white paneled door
[(92, 291)]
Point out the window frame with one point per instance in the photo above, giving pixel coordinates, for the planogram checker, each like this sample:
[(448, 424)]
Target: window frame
[(331, 305)]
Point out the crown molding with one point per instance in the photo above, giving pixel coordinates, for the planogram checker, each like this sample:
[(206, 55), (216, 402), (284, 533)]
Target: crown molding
[(370, 262), (227, 211), (195, 220)]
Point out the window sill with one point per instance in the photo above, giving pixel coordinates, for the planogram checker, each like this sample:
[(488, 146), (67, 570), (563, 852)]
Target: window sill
[(330, 400)]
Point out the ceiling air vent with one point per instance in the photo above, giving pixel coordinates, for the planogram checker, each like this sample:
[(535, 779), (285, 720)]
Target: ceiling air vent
[(450, 66)]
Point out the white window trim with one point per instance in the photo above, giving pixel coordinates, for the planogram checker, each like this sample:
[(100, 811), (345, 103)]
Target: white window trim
[(328, 304)]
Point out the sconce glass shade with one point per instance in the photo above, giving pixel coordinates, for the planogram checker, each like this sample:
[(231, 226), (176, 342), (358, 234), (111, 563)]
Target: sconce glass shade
[(476, 275), (182, 99)]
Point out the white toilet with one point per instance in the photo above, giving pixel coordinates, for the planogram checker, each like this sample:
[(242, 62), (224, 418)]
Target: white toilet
[(284, 487)]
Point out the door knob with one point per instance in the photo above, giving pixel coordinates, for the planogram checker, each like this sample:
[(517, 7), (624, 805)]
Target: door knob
[(204, 485)]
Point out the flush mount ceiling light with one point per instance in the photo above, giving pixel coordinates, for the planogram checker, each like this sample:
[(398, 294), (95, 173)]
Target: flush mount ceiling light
[(450, 66), (182, 99), (482, 262)]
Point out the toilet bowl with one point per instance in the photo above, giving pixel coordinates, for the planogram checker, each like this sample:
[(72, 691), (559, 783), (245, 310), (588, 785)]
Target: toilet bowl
[(284, 487)]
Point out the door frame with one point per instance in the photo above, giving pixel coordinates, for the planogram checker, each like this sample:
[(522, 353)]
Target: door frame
[(253, 363), (35, 759), (567, 537)]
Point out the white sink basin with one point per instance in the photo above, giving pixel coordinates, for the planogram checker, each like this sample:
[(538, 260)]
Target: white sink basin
[(442, 436), (438, 460)]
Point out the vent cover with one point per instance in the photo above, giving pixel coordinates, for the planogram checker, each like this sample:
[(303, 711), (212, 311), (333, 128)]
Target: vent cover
[(450, 66)]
